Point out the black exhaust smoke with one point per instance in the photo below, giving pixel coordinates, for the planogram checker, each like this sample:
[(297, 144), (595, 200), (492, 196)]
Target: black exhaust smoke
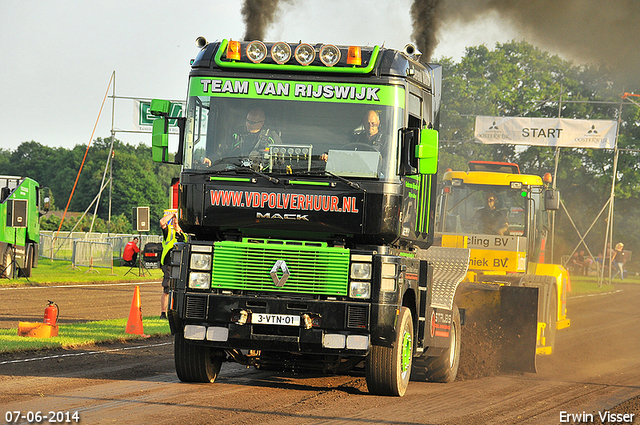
[(586, 31)]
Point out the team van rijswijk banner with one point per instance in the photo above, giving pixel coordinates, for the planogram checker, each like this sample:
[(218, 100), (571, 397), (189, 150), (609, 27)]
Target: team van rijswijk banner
[(297, 90), (555, 132)]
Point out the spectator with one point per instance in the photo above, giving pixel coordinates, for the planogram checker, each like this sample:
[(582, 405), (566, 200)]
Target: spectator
[(618, 260), (130, 253), (171, 233), (577, 263)]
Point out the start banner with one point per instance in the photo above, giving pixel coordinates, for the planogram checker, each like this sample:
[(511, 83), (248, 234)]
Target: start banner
[(555, 132)]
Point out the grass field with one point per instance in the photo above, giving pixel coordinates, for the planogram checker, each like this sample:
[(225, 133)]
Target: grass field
[(73, 335), (76, 335), (61, 272)]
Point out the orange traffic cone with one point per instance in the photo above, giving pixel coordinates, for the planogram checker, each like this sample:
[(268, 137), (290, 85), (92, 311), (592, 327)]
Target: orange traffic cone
[(134, 324)]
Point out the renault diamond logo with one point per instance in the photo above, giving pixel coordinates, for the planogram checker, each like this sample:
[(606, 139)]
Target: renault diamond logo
[(280, 264)]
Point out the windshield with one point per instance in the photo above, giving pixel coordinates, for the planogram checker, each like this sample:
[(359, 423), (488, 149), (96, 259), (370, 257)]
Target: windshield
[(280, 137), (483, 209)]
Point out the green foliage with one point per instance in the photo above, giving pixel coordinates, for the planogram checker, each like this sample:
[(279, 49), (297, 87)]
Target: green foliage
[(137, 181)]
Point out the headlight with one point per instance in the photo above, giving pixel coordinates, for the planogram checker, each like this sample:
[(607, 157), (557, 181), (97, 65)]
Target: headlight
[(360, 290), (199, 280), (360, 270), (200, 261)]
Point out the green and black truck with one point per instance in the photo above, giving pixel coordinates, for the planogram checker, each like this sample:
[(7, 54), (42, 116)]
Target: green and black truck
[(19, 226), (309, 240)]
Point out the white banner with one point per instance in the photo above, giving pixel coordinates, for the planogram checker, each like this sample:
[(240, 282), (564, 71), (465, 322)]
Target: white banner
[(561, 132)]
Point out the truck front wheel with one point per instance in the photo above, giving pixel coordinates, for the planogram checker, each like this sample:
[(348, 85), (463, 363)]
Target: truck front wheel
[(388, 368), (443, 368), (196, 363)]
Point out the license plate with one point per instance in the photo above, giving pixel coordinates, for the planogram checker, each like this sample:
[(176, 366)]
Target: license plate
[(275, 319)]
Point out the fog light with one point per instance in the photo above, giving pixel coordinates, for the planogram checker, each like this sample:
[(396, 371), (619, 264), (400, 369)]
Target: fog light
[(333, 341), (305, 54), (216, 333), (194, 332), (329, 54), (256, 51), (357, 342), (281, 52)]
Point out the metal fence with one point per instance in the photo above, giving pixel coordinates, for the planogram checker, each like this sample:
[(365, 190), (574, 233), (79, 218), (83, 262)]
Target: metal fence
[(89, 249)]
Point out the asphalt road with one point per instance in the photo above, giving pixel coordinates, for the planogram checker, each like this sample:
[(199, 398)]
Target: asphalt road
[(595, 368)]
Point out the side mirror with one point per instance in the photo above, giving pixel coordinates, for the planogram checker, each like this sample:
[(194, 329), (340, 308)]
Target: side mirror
[(159, 139), (160, 107), (427, 152), (47, 204), (551, 199)]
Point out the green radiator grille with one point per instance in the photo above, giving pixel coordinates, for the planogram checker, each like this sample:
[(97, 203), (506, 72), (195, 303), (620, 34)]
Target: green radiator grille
[(314, 267)]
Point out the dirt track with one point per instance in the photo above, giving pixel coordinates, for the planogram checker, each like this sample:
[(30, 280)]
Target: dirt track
[(596, 367)]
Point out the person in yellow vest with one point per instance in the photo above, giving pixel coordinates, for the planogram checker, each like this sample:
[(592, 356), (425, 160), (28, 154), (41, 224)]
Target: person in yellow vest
[(171, 233)]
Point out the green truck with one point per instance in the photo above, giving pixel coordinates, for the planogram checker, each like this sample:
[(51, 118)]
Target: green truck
[(310, 235), (19, 226)]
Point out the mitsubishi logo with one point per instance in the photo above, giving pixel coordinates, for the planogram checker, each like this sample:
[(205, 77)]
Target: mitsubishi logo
[(280, 264)]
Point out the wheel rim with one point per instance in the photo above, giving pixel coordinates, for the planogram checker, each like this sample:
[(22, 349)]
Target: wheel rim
[(452, 349), (407, 345)]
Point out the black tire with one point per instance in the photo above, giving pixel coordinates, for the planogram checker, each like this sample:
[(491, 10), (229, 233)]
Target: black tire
[(443, 368), (25, 271), (6, 266), (196, 363), (388, 369)]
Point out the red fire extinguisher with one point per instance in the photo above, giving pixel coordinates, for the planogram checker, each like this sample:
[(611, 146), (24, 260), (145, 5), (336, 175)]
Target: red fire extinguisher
[(51, 313)]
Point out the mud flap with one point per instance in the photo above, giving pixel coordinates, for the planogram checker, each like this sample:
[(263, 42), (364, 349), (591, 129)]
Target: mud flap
[(499, 330), (519, 313)]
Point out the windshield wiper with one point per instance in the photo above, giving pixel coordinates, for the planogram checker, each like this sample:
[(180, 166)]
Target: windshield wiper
[(342, 179), (258, 173)]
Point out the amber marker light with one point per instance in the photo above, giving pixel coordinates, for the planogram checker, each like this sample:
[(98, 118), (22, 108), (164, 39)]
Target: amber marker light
[(354, 56), (233, 50), (547, 178)]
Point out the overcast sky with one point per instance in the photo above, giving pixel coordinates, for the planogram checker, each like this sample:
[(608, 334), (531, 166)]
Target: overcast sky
[(57, 57)]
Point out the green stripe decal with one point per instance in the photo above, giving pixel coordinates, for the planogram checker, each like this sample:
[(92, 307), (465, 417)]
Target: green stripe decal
[(310, 183), (231, 179)]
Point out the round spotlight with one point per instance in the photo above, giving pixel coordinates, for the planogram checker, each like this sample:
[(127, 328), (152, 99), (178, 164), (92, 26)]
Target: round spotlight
[(305, 54), (256, 51), (329, 54), (281, 52)]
